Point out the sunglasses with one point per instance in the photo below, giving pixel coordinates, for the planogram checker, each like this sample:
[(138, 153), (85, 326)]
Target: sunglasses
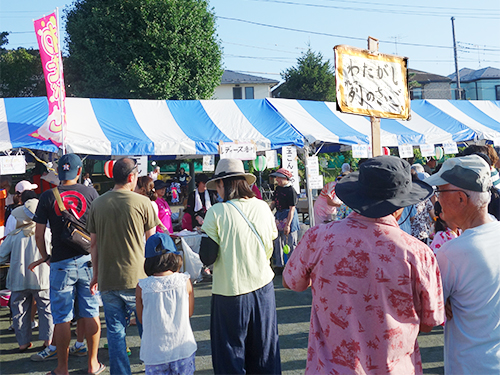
[(134, 167)]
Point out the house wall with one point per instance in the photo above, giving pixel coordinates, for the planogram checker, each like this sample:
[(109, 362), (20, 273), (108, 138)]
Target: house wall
[(260, 91), (437, 90), (480, 89)]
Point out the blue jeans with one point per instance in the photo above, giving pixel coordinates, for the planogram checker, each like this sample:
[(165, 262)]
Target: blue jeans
[(70, 282), (118, 308)]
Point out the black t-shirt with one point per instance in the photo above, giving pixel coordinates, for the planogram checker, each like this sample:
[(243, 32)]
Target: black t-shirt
[(77, 199), (284, 198)]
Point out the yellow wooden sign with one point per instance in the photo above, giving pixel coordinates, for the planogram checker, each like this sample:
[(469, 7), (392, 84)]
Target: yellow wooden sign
[(371, 83)]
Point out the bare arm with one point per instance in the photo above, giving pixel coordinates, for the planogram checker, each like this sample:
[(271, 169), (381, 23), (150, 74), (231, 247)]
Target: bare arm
[(150, 232), (138, 303), (289, 220), (191, 297), (425, 328), (94, 253), (331, 202), (40, 244)]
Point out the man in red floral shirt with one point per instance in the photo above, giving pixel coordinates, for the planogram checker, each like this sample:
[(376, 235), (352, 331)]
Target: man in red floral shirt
[(374, 286)]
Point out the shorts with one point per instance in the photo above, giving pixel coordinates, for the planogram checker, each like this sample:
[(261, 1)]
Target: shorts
[(70, 281), (184, 366)]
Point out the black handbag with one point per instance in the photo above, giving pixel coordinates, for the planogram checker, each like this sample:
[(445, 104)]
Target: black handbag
[(73, 233)]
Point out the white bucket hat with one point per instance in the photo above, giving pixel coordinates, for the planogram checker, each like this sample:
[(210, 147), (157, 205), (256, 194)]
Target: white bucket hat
[(229, 168)]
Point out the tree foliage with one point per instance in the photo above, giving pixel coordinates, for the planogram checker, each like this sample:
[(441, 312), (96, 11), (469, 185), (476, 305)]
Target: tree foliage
[(311, 79), (21, 71), (149, 49)]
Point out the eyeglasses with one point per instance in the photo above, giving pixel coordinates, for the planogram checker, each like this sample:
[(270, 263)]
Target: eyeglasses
[(437, 192)]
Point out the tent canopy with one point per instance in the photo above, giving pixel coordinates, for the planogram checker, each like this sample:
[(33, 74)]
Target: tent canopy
[(195, 127)]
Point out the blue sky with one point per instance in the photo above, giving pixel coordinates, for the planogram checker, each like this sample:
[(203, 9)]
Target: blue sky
[(265, 37)]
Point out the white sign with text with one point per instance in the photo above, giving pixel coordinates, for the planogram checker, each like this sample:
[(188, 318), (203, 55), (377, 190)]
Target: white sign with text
[(450, 148), (12, 164), (405, 151), (427, 150), (289, 162), (208, 163), (360, 151), (271, 159), (313, 165), (240, 150)]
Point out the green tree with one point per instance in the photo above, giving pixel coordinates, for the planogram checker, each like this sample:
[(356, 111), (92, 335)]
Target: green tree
[(21, 71), (311, 79), (149, 49)]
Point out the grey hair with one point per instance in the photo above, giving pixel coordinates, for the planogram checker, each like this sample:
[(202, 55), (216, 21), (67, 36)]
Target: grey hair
[(479, 199)]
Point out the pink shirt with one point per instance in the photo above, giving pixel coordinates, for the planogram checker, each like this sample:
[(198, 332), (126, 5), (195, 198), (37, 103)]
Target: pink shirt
[(441, 237), (372, 286), (165, 215)]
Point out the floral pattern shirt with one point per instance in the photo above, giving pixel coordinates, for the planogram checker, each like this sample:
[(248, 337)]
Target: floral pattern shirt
[(372, 285), (421, 223), (441, 237)]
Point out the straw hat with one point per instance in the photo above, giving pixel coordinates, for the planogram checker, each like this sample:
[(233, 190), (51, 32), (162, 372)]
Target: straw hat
[(229, 168)]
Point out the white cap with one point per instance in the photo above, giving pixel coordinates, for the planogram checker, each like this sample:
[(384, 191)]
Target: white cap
[(346, 167), (466, 172), (25, 185)]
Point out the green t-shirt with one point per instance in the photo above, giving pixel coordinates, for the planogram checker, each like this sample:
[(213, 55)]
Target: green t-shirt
[(241, 266), (120, 218)]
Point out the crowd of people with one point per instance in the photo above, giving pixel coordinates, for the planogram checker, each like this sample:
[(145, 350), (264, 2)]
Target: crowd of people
[(397, 249)]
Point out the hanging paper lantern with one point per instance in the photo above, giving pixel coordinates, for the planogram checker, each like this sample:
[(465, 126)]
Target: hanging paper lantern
[(439, 153), (386, 151), (260, 163), (108, 168)]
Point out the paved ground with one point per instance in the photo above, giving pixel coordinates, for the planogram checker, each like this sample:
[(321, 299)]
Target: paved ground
[(293, 315)]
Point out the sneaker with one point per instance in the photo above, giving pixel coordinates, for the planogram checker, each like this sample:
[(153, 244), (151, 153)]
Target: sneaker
[(34, 324), (79, 352), (44, 355)]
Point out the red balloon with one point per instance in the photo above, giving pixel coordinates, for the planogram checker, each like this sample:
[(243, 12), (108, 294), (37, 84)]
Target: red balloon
[(108, 168), (386, 151)]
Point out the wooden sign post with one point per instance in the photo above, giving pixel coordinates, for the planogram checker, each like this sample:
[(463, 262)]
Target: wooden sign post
[(375, 121)]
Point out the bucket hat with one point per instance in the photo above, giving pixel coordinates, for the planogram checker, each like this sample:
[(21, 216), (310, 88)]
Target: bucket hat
[(229, 168), (466, 172), (159, 184), (282, 172), (381, 186)]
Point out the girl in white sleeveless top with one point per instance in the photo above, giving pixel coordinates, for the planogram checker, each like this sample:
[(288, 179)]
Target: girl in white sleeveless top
[(165, 301)]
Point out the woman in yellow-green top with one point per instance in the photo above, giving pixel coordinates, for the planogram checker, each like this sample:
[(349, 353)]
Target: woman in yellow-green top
[(241, 230)]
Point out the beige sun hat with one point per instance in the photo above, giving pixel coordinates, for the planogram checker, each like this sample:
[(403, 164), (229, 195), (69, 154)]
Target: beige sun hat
[(229, 168)]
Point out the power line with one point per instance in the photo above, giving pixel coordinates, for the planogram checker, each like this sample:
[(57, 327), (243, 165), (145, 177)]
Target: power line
[(387, 11), (327, 34)]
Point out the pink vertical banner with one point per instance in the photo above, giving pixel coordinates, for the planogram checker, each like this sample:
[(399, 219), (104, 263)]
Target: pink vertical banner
[(47, 34)]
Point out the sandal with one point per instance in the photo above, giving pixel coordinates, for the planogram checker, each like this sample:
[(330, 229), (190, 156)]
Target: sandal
[(99, 370), (30, 345)]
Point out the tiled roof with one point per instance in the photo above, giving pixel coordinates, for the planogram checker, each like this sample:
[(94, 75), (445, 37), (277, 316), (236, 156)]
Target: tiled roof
[(469, 75), (232, 77), (424, 77)]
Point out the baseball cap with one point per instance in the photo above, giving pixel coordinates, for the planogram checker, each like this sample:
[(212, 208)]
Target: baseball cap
[(25, 185), (282, 172), (466, 172), (160, 243), (67, 167)]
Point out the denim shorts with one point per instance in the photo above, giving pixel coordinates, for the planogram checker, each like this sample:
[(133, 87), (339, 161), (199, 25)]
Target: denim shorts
[(70, 280), (184, 366)]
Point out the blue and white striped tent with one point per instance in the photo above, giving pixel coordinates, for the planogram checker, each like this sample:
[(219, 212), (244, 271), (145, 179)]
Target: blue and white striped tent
[(191, 127)]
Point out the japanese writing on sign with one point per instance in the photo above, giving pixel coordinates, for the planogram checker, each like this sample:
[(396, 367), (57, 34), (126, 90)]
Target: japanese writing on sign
[(240, 151), (371, 84), (405, 151), (289, 162), (12, 164), (427, 150), (450, 148), (208, 163)]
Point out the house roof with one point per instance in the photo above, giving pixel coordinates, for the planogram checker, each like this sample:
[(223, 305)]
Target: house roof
[(232, 77), (424, 77), (470, 75)]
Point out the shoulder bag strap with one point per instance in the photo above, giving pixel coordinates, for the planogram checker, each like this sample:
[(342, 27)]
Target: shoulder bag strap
[(58, 199), (249, 224)]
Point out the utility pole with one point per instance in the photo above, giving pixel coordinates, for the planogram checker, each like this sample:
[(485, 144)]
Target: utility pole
[(457, 74)]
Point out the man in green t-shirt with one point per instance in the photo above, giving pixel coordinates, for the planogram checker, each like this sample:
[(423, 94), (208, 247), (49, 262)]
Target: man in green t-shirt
[(118, 223)]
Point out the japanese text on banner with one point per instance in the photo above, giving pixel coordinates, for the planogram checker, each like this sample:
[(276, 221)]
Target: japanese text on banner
[(47, 34), (289, 162), (240, 151)]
